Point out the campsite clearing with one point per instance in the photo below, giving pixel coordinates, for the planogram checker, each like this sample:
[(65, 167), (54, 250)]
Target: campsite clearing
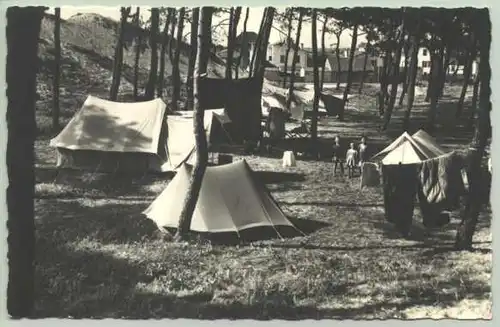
[(97, 256)]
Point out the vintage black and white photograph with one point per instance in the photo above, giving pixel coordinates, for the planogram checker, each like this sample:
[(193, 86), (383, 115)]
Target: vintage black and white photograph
[(249, 162)]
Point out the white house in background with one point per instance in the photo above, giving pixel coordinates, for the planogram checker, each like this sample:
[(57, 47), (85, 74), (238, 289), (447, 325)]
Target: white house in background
[(276, 55), (424, 62)]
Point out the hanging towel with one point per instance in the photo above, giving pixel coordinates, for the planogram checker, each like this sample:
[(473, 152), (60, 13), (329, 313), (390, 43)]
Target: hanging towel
[(400, 187), (441, 179), (370, 175), (432, 215)]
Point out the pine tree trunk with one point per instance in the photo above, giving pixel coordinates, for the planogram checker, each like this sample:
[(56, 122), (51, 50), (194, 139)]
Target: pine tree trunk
[(467, 75), (317, 86), (163, 50), (432, 74), (230, 42), (118, 61), (412, 76), (363, 77), (57, 66), (264, 41), (383, 79), (337, 55), (138, 48), (22, 33), (260, 67), (404, 78), (198, 171), (251, 68), (437, 66), (323, 54), (176, 77), (153, 70), (192, 58), (347, 89), (467, 227), (234, 18), (475, 95), (456, 70), (444, 72), (244, 45), (396, 63), (294, 60), (288, 47), (429, 79), (237, 15), (172, 33)]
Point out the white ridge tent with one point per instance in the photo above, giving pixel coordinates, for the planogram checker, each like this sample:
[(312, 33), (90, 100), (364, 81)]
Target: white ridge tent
[(116, 136), (230, 200), (408, 149)]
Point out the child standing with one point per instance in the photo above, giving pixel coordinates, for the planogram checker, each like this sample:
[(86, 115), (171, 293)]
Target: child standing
[(337, 160), (351, 159)]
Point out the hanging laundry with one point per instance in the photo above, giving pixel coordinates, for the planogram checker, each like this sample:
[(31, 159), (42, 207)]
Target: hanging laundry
[(441, 179), (432, 215), (400, 187)]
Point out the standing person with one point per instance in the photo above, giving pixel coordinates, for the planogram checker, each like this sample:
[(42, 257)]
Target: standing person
[(363, 155), (337, 157), (351, 159)]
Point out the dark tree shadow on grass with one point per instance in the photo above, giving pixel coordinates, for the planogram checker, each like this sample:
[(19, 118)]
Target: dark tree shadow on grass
[(275, 177), (331, 204), (82, 279), (73, 183), (111, 223), (443, 236), (107, 288)]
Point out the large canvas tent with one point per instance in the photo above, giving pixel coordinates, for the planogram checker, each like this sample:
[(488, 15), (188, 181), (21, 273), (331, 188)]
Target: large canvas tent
[(107, 136), (231, 200), (409, 149)]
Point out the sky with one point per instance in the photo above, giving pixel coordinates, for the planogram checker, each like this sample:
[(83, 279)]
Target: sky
[(253, 24)]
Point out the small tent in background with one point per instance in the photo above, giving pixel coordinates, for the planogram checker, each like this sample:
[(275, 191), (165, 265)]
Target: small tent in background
[(107, 136), (269, 102), (217, 125), (231, 200)]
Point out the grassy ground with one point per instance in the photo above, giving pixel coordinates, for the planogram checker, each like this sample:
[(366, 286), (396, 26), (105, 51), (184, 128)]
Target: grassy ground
[(98, 257)]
